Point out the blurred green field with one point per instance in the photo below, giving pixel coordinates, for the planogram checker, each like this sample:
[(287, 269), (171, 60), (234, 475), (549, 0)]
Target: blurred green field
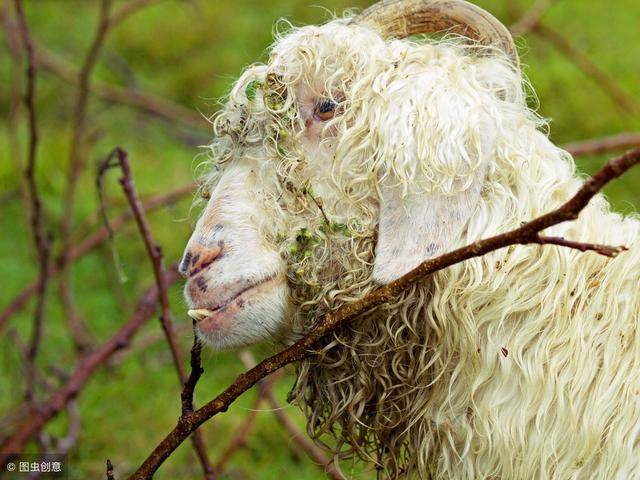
[(190, 52)]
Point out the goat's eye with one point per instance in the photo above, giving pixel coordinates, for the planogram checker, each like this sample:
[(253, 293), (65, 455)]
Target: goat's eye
[(325, 109)]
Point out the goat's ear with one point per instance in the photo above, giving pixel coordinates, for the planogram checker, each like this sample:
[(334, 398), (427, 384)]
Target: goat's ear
[(436, 146), (417, 226)]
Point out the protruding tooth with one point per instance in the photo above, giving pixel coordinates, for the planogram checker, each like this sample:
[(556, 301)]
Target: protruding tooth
[(199, 314)]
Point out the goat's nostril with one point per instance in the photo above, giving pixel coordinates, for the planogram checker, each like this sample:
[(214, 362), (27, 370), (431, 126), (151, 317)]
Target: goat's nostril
[(184, 264), (200, 258)]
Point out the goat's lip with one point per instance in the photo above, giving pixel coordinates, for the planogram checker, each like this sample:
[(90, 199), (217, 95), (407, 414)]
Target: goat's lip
[(202, 313)]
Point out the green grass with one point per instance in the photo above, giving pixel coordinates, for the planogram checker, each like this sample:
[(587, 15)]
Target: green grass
[(190, 52)]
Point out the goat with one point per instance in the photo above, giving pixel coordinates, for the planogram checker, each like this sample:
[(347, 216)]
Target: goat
[(354, 154)]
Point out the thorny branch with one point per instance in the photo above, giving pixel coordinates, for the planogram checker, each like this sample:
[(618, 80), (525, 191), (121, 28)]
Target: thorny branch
[(41, 239), (526, 234), (118, 158)]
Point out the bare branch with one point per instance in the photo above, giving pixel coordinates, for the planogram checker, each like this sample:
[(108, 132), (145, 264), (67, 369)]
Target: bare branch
[(85, 368), (527, 233), (298, 437), (146, 102), (118, 158), (241, 434), (186, 397), (620, 141), (196, 372), (110, 475), (92, 241), (608, 84), (126, 10), (79, 332), (605, 250), (12, 37), (530, 18), (40, 237)]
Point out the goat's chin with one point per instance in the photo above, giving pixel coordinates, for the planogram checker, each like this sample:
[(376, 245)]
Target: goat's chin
[(253, 318)]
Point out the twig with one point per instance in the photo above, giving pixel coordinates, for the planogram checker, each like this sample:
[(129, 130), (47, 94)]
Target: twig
[(239, 439), (530, 18), (605, 250), (620, 141), (41, 240), (118, 158), (12, 37), (110, 470), (78, 331), (66, 443), (63, 445), (297, 436), (86, 367), (126, 10), (146, 102), (151, 104), (92, 241), (590, 69), (527, 233), (186, 396)]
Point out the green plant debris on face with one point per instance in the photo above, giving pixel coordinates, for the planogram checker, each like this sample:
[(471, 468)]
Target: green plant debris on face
[(304, 244), (250, 89), (336, 227), (304, 236)]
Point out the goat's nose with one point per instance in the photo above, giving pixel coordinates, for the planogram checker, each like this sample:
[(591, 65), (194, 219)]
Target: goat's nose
[(198, 258)]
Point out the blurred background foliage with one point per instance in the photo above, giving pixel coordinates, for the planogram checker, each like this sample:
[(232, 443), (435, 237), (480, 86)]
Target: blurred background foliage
[(189, 52)]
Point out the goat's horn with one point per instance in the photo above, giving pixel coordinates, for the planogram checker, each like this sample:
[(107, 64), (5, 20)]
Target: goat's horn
[(403, 18)]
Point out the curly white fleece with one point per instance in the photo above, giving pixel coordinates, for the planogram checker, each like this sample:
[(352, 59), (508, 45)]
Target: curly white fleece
[(521, 364)]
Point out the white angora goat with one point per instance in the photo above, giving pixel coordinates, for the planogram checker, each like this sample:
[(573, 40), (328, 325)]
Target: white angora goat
[(354, 154)]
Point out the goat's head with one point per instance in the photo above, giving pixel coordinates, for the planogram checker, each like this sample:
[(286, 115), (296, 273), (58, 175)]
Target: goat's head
[(344, 162)]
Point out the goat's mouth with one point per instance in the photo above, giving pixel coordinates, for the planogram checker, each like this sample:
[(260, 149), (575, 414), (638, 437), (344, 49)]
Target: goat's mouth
[(214, 318)]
